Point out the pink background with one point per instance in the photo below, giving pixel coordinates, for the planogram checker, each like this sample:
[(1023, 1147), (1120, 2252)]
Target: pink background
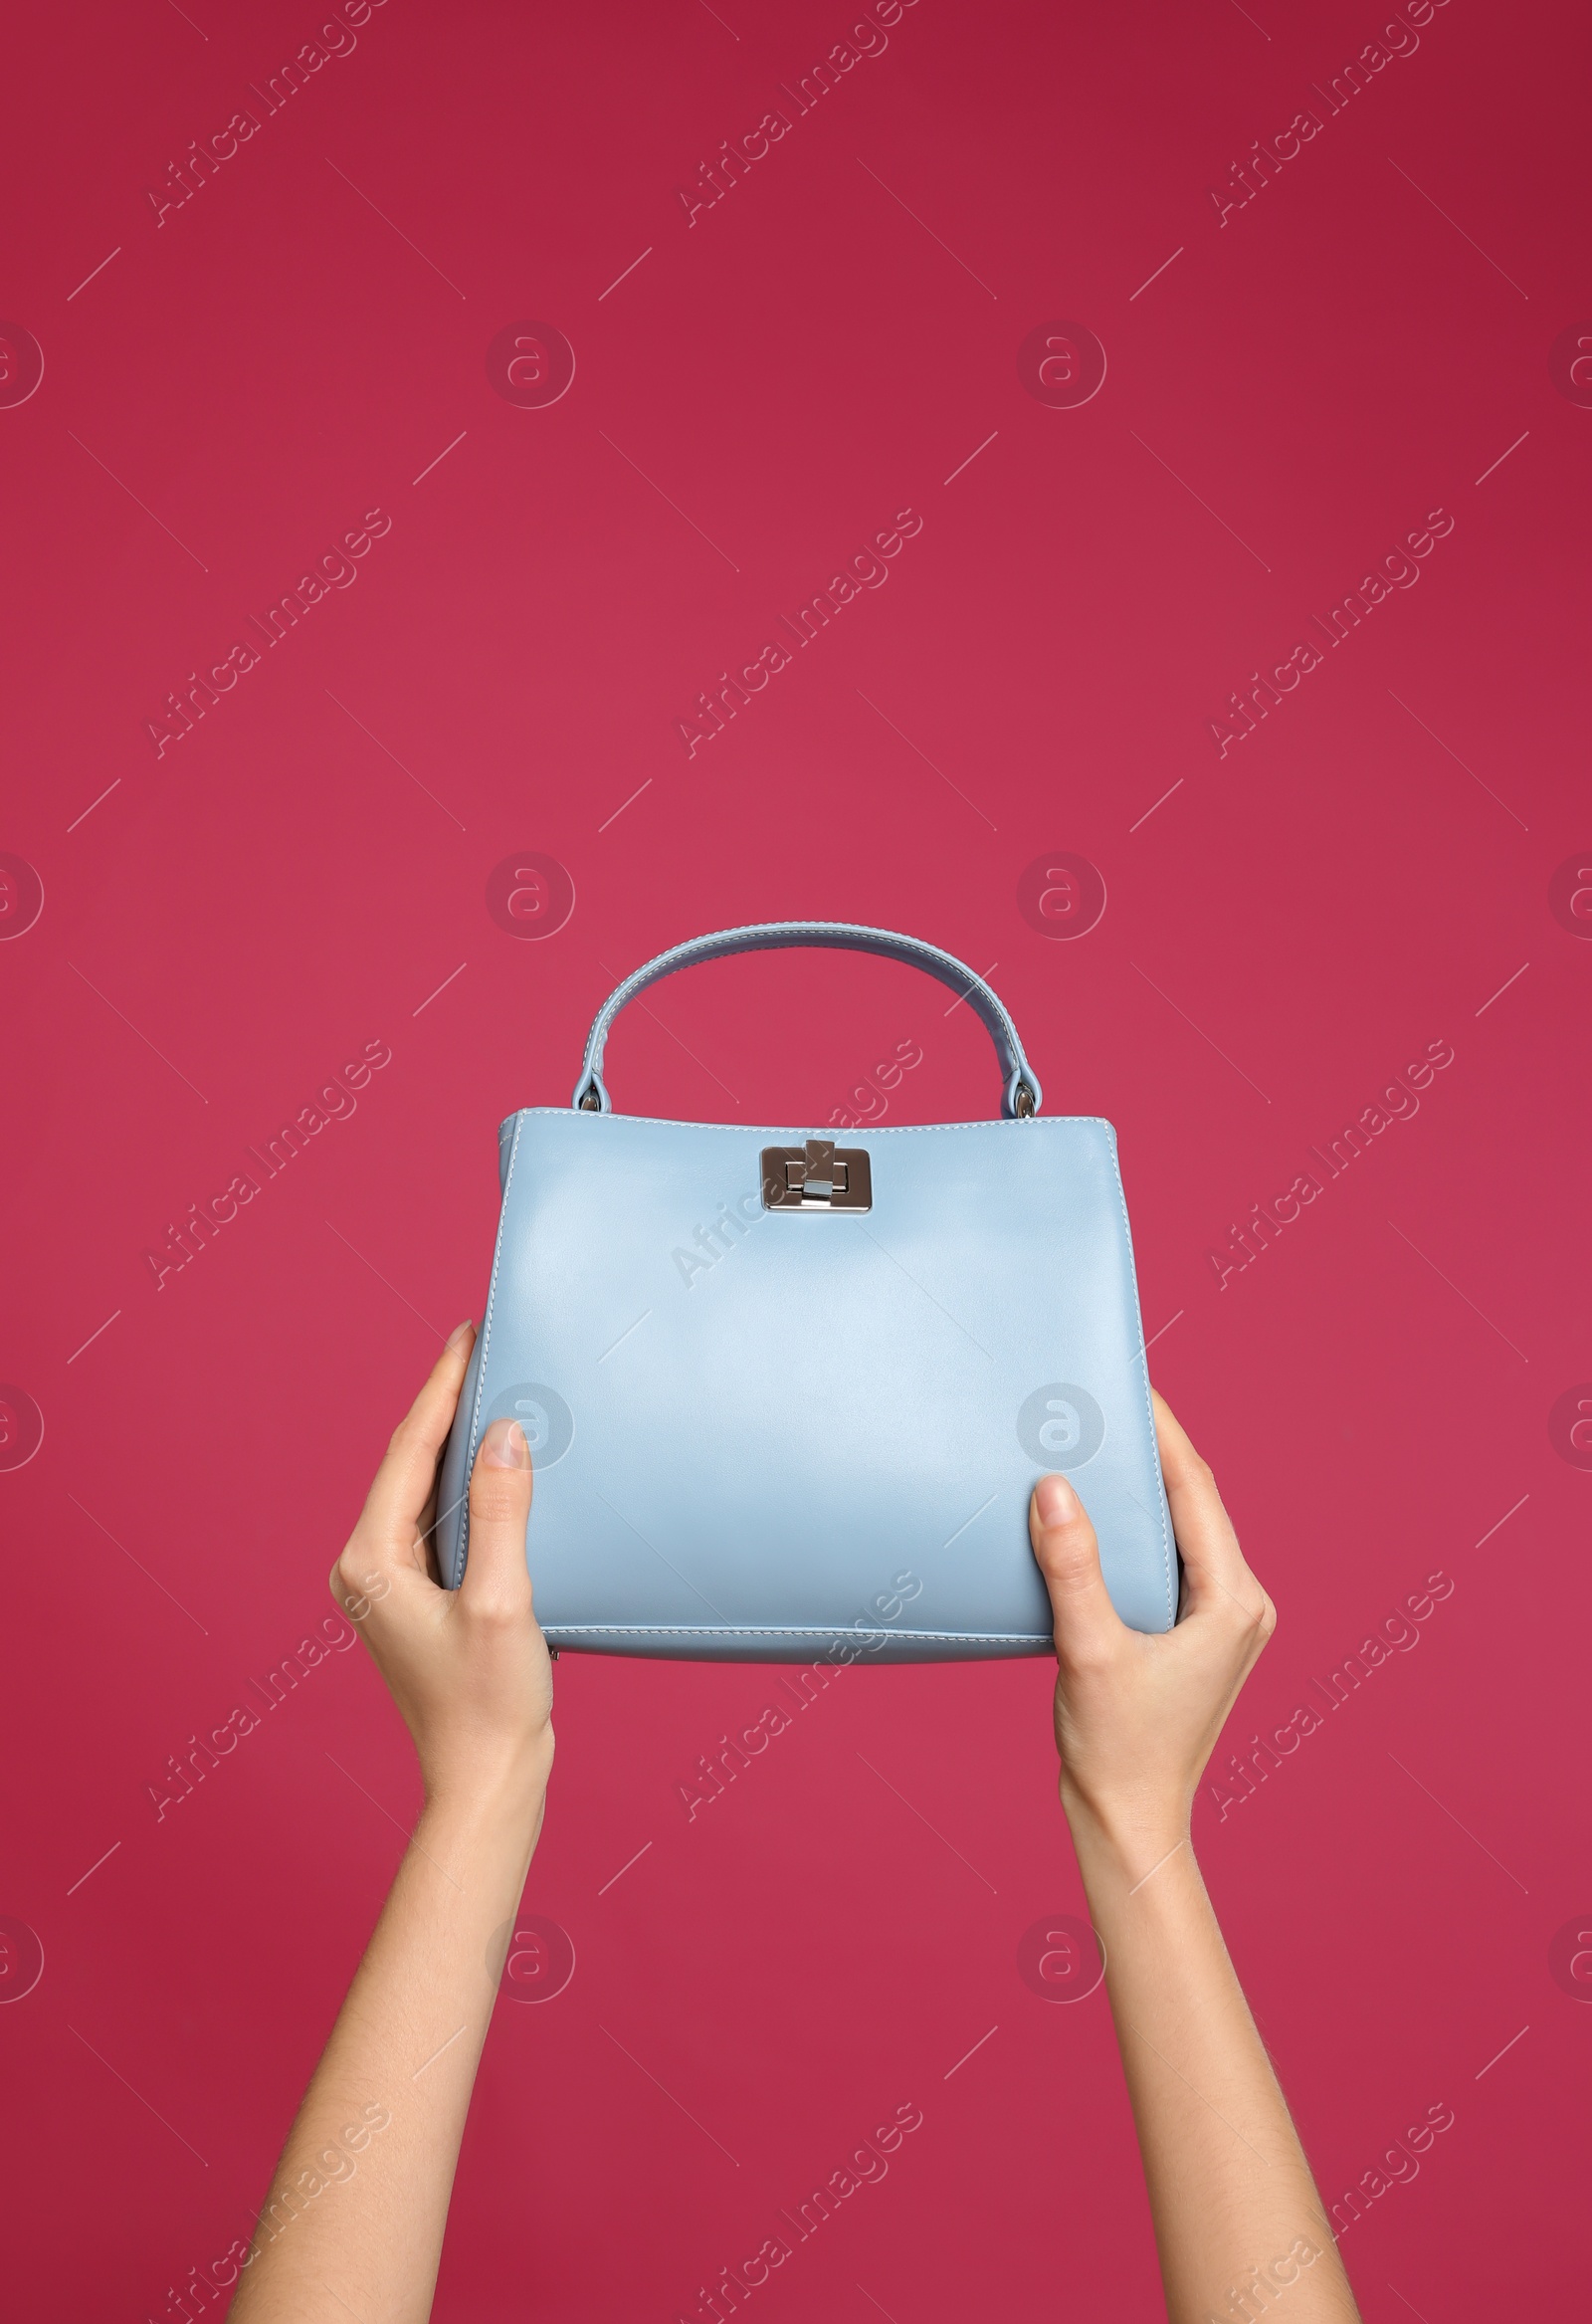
[(305, 340)]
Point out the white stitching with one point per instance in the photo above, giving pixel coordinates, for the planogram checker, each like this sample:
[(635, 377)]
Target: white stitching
[(461, 1546), (1142, 1360), (776, 1129), (734, 1630)]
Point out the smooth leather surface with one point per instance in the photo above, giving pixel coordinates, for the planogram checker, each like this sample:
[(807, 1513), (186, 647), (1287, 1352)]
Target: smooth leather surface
[(811, 1440), (819, 935)]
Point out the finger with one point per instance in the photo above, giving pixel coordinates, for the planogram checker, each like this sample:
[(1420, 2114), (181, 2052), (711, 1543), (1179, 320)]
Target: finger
[(495, 1574), (403, 1483), (1068, 1555), (1213, 1563)]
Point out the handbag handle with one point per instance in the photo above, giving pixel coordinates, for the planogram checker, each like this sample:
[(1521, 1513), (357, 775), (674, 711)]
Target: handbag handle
[(1020, 1094)]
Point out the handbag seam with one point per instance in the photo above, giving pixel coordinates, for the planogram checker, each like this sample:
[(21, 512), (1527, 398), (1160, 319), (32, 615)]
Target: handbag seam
[(734, 1630), (1142, 1360), (767, 1129), (463, 1546)]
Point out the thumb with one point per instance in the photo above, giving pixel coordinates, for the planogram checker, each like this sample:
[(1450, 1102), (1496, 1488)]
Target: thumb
[(496, 1574), (1069, 1557)]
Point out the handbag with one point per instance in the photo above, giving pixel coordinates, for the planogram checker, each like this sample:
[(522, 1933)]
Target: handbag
[(787, 1390)]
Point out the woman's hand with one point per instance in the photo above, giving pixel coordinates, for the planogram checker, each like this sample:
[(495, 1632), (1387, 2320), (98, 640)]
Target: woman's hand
[(1136, 1716), (468, 1668)]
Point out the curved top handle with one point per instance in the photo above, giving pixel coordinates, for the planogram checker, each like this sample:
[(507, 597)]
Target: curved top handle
[(1019, 1096)]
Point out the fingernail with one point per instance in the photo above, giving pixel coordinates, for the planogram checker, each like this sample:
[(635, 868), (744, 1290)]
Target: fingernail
[(461, 1332), (1055, 1501), (503, 1446)]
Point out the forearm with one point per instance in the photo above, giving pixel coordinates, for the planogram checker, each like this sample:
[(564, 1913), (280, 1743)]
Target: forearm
[(359, 2200), (1239, 2225)]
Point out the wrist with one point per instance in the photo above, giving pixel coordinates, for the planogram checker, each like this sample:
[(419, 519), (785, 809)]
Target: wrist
[(502, 1794), (1121, 1841)]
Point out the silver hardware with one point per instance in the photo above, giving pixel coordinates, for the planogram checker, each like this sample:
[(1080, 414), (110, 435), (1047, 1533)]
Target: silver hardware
[(1025, 1102), (817, 1176), (591, 1103)]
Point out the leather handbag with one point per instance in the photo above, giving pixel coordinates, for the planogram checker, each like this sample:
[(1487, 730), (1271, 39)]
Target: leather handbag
[(787, 1390)]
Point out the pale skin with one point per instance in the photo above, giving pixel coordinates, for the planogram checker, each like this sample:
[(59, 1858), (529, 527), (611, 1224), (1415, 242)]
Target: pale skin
[(1136, 1719), (354, 2217)]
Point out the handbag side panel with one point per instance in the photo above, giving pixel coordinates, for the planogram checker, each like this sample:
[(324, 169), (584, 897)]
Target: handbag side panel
[(453, 1482)]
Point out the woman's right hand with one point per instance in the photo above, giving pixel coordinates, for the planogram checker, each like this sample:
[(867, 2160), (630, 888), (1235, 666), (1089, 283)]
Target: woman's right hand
[(1137, 1716)]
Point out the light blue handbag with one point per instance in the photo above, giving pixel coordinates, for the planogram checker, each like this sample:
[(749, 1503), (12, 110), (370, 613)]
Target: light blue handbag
[(787, 1390)]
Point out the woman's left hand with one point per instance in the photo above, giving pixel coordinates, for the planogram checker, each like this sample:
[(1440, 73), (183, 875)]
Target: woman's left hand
[(469, 1668)]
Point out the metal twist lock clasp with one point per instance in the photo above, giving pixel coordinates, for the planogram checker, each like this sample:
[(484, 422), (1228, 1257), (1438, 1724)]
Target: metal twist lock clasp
[(817, 1176)]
